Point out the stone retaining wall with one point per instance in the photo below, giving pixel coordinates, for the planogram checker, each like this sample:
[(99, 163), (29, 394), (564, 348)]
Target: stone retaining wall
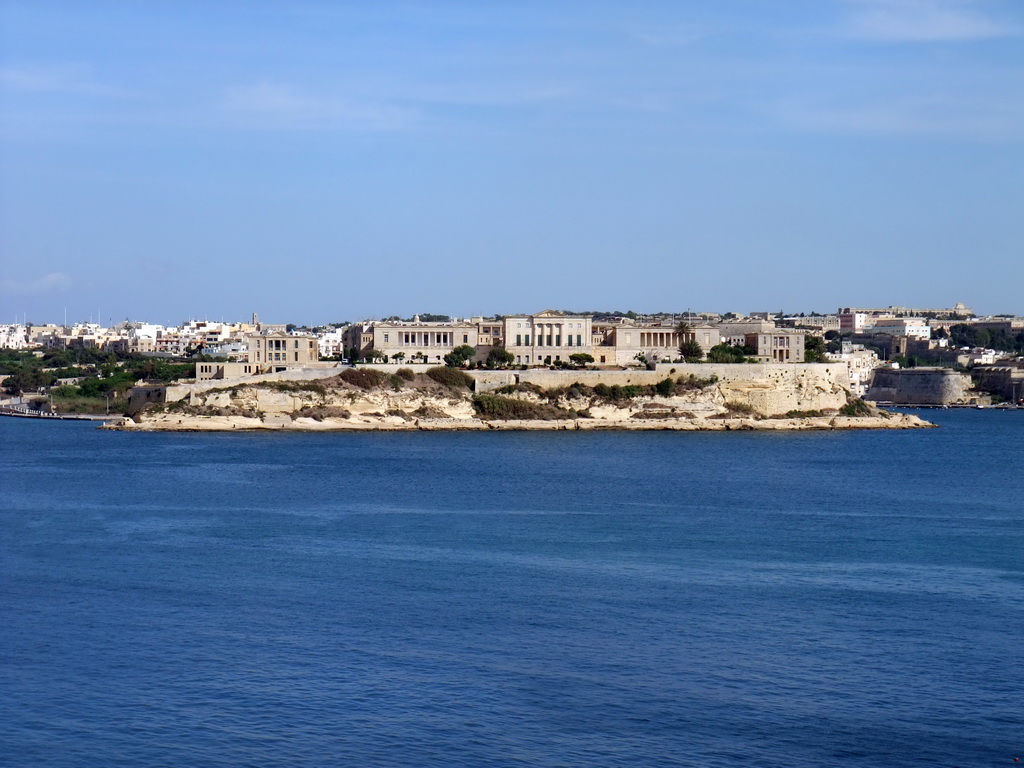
[(918, 386)]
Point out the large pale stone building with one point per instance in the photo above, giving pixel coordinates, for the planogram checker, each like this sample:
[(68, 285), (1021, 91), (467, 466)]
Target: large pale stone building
[(547, 337), (627, 342), (422, 341), (777, 346), (277, 351)]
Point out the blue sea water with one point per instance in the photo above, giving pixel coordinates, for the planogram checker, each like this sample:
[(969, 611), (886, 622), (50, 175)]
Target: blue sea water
[(513, 599)]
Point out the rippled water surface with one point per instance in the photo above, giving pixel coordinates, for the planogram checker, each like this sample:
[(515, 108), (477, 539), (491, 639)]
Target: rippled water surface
[(534, 599)]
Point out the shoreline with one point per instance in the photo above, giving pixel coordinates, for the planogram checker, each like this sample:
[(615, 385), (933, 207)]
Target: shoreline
[(393, 424)]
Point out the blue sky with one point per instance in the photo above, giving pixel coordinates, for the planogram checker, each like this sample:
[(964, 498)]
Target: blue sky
[(328, 161)]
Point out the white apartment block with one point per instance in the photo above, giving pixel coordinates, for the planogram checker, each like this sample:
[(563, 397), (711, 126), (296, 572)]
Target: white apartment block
[(14, 337), (911, 327)]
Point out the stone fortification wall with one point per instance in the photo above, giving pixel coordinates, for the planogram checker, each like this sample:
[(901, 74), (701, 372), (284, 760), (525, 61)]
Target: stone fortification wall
[(918, 386), (768, 388), (832, 373)]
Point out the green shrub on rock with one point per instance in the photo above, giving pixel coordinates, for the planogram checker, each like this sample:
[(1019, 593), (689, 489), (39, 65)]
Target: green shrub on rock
[(364, 378), (451, 377)]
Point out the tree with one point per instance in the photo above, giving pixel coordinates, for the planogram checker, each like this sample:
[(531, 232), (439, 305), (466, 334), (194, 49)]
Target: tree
[(691, 351), (148, 370), (581, 358), (726, 353), (814, 349), (26, 378), (499, 357), (458, 357), (398, 357)]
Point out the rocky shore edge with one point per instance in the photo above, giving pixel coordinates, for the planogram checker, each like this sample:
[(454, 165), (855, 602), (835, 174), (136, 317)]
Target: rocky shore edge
[(187, 423)]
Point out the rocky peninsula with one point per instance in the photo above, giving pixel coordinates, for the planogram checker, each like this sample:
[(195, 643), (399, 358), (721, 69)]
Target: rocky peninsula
[(686, 398)]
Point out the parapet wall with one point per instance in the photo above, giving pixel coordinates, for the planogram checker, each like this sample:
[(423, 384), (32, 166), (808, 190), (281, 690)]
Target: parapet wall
[(918, 386), (833, 373)]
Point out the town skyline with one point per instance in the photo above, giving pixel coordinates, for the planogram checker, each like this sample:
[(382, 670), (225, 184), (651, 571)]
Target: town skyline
[(114, 320)]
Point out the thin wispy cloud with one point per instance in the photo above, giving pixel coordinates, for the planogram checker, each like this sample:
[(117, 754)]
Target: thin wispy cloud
[(53, 282), (56, 79), (282, 106), (924, 21), (669, 37), (935, 117), (489, 95)]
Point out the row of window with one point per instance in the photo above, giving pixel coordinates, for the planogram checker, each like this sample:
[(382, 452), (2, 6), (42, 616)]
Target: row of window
[(560, 325), (280, 343), (427, 339), (555, 338), (525, 359)]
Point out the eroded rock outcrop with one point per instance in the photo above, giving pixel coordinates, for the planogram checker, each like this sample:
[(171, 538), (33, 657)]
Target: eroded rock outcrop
[(368, 399)]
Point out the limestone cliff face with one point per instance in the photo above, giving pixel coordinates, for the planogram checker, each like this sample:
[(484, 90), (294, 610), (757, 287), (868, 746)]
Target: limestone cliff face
[(587, 399)]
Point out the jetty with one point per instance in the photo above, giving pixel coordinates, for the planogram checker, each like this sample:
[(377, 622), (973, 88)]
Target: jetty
[(24, 412)]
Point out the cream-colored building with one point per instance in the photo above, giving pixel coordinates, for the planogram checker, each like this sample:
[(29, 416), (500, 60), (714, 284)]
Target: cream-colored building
[(627, 342), (419, 341), (223, 370), (777, 346), (819, 323), (140, 345), (275, 351), (735, 332), (547, 337)]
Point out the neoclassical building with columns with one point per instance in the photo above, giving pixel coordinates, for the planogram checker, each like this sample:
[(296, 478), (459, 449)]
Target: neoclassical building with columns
[(547, 337)]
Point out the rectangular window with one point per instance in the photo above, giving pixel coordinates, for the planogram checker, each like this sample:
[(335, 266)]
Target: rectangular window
[(549, 339), (519, 340), (558, 340), (465, 338), (385, 338), (579, 339), (527, 342), (569, 339)]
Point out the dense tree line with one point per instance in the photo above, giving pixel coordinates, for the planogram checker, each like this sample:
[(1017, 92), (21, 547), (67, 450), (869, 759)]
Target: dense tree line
[(101, 372), (964, 335)]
